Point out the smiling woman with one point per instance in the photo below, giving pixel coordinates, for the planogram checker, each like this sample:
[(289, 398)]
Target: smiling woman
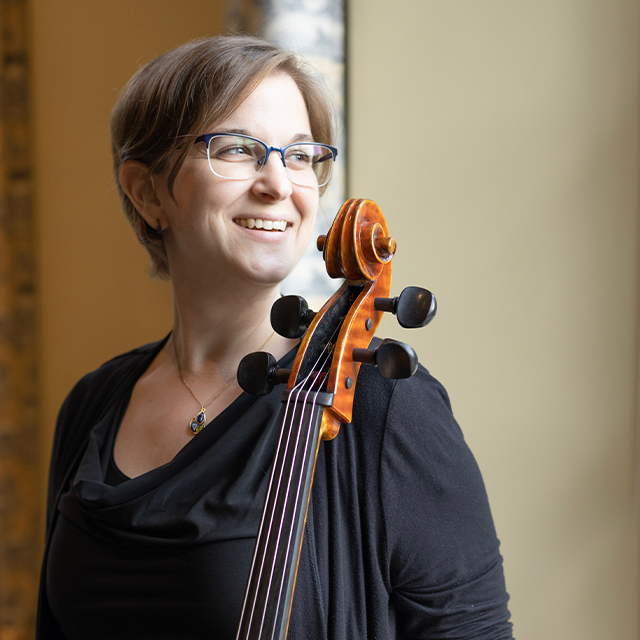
[(200, 216), (180, 96), (160, 462)]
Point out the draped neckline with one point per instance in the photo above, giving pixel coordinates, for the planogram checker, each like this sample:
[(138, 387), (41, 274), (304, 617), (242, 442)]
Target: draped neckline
[(212, 490)]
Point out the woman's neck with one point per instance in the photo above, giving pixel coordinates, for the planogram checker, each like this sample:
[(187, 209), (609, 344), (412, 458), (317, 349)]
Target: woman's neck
[(214, 330)]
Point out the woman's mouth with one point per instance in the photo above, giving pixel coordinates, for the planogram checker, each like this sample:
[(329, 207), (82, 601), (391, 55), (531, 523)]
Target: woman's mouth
[(261, 223)]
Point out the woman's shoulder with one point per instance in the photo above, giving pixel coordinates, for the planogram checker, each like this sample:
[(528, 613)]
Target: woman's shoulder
[(412, 424), (404, 432), (94, 390), (115, 367), (439, 537), (416, 402), (89, 399)]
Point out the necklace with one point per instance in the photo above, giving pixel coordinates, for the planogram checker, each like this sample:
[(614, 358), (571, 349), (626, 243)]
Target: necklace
[(199, 421)]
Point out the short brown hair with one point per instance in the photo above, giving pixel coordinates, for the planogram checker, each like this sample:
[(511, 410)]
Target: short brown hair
[(171, 99)]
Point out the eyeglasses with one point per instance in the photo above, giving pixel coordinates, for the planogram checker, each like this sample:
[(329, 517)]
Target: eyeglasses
[(308, 164)]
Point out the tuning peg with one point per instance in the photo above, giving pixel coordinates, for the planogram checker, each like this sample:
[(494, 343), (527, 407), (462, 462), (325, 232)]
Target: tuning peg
[(258, 373), (414, 307), (393, 359), (290, 316)]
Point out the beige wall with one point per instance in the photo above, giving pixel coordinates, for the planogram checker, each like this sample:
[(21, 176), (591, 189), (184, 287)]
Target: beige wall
[(96, 299), (522, 216), (511, 181)]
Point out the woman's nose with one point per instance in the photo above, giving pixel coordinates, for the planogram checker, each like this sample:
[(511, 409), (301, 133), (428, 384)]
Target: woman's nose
[(272, 180)]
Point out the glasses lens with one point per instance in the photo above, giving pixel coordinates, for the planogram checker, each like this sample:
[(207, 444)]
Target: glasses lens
[(309, 164), (235, 157)]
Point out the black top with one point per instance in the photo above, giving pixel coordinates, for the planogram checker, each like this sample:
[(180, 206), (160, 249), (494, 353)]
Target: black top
[(399, 540), (182, 534)]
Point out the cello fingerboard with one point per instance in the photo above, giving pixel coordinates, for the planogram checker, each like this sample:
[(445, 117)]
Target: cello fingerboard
[(269, 591)]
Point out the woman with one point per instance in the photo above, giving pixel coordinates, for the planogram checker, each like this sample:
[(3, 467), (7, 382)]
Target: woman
[(153, 515)]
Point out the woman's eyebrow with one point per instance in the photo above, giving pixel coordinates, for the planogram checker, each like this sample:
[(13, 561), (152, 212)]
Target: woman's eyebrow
[(302, 137), (240, 132), (299, 137)]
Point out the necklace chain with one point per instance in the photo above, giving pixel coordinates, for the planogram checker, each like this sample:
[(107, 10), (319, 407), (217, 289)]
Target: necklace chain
[(199, 421)]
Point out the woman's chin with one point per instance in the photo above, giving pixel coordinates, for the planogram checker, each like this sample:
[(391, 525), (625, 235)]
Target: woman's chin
[(266, 274)]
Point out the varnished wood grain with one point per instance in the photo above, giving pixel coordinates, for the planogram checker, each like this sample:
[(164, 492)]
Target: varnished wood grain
[(357, 248)]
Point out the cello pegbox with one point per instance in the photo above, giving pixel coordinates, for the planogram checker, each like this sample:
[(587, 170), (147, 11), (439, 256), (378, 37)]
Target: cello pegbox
[(359, 249)]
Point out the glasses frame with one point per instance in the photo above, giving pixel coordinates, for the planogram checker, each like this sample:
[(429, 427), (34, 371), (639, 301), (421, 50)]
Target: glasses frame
[(207, 137)]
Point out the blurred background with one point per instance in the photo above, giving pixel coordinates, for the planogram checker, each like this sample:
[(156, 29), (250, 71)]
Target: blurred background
[(501, 140)]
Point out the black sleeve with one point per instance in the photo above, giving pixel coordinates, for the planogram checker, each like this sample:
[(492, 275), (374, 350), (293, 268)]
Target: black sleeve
[(80, 411), (84, 406), (445, 568), (65, 443)]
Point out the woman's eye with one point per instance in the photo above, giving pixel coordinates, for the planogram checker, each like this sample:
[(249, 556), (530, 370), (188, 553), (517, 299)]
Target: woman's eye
[(298, 155), (235, 152)]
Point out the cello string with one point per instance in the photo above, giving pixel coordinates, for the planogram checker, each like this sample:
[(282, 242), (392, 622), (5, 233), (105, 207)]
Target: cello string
[(278, 468), (277, 498), (268, 516), (301, 476), (324, 354), (317, 377), (325, 357)]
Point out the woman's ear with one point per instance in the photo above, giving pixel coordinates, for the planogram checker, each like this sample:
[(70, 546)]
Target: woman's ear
[(137, 183)]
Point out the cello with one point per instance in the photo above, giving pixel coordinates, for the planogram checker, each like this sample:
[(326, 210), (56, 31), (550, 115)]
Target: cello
[(320, 392)]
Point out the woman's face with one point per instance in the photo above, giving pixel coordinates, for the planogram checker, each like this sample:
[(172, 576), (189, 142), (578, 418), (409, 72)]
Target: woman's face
[(204, 222)]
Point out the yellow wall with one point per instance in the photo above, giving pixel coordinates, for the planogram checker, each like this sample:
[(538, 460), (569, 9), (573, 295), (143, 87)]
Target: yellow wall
[(521, 214), (511, 181)]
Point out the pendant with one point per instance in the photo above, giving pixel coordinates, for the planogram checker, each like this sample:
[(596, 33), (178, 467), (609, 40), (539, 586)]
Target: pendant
[(199, 421)]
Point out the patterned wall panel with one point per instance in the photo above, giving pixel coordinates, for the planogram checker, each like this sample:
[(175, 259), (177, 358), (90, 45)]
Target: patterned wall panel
[(316, 30), (20, 507)]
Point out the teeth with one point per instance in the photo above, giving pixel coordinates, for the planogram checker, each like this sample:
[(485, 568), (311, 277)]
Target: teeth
[(259, 223)]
